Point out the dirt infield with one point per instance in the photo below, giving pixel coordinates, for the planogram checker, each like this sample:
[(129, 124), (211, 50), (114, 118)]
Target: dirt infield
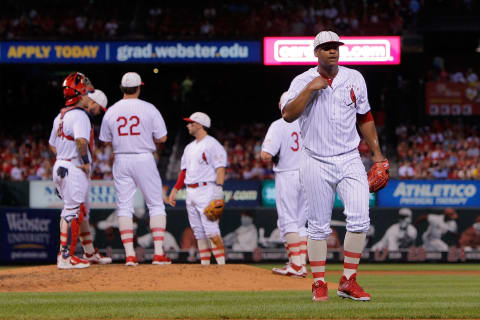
[(176, 277)]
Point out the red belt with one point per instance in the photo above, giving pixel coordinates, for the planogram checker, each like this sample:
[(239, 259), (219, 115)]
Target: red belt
[(196, 185), (66, 159)]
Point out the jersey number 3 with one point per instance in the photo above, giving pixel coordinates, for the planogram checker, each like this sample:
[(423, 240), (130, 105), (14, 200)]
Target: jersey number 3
[(134, 122), (295, 141)]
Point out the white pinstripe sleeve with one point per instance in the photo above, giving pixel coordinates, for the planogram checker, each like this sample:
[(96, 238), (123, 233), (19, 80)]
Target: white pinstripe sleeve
[(272, 142), (297, 85), (159, 126), (362, 100)]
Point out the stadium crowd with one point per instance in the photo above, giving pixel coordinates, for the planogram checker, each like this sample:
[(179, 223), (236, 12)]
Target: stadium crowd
[(443, 150), (166, 20)]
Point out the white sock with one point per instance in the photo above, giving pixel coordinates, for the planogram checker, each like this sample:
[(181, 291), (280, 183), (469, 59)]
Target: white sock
[(204, 250), (293, 242), (125, 225), (352, 251), (216, 244), (86, 238), (317, 255), (157, 225), (303, 250)]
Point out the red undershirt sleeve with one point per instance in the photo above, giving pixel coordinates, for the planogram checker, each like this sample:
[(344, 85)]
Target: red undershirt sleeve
[(363, 118), (181, 180)]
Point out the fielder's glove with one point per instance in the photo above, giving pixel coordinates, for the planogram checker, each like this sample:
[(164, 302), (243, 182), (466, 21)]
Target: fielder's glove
[(214, 210), (378, 175)]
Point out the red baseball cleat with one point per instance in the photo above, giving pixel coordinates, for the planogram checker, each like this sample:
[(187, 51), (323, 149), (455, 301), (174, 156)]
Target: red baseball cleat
[(319, 291), (161, 259), (350, 289), (131, 261)]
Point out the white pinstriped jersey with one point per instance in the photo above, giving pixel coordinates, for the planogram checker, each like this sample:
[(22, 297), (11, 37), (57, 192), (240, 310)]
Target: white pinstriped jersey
[(202, 158), (131, 124), (284, 139), (76, 124), (328, 122)]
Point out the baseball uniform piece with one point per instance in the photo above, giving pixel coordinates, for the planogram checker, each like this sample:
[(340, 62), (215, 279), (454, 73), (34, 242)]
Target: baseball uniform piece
[(200, 160), (131, 125)]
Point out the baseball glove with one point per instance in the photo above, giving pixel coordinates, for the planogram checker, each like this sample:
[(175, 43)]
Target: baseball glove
[(378, 175), (214, 210)]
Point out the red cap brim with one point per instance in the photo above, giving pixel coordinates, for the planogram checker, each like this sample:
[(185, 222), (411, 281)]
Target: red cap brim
[(188, 120)]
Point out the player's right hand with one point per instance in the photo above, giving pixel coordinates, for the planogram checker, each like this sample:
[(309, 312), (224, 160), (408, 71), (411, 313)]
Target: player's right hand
[(318, 83), (85, 168), (172, 198)]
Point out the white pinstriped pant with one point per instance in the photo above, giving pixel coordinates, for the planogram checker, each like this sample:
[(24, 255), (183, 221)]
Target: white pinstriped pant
[(321, 177)]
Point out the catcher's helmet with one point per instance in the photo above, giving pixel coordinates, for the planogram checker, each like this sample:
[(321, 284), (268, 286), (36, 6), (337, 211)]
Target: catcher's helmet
[(76, 85)]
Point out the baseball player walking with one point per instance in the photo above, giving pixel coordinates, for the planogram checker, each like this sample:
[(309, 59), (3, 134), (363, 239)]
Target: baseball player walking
[(282, 145), (71, 140), (202, 172), (329, 101), (133, 127)]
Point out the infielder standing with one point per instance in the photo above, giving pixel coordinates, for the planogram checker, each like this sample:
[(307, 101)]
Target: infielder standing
[(133, 127), (329, 101), (71, 140), (202, 172), (282, 145)]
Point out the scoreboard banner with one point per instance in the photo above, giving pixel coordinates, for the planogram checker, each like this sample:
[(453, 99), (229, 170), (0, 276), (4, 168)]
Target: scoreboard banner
[(356, 51), (452, 99)]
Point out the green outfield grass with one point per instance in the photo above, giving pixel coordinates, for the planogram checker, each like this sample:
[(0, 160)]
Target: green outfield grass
[(393, 296)]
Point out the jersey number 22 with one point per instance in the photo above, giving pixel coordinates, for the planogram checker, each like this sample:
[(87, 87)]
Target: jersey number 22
[(134, 122)]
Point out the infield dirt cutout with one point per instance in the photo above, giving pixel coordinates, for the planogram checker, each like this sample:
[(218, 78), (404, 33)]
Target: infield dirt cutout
[(175, 277)]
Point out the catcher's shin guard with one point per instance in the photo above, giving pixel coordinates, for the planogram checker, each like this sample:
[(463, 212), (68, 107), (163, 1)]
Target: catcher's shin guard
[(75, 227)]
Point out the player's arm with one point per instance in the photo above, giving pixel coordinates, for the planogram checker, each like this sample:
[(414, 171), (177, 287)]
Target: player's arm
[(265, 156), (172, 198), (294, 108), (366, 125), (161, 140), (220, 171), (82, 147), (53, 150)]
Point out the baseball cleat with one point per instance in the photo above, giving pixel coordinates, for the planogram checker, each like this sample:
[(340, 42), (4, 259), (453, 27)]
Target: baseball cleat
[(281, 271), (97, 258), (161, 259), (350, 289), (131, 261), (294, 271), (319, 291), (72, 262)]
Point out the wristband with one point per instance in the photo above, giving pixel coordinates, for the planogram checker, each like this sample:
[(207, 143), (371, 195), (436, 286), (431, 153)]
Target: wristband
[(85, 159)]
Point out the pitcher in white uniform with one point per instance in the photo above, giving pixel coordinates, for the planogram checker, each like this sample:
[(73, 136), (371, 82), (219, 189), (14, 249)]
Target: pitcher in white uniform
[(282, 145), (202, 172), (133, 127), (329, 101), (71, 140)]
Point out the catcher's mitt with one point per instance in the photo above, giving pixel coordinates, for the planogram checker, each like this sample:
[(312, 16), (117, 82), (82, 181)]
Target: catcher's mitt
[(378, 175), (214, 210)]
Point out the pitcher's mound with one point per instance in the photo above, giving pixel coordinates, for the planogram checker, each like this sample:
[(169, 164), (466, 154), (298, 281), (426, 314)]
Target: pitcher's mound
[(145, 277)]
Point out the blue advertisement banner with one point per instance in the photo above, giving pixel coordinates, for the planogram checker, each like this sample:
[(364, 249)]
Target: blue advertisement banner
[(186, 52), (28, 235), (430, 193), (237, 193), (131, 52)]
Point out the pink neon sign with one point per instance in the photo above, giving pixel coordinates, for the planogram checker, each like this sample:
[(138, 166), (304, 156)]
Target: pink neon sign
[(357, 50)]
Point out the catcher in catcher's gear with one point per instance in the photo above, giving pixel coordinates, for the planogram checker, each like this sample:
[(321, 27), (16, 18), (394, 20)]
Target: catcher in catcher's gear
[(203, 171)]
